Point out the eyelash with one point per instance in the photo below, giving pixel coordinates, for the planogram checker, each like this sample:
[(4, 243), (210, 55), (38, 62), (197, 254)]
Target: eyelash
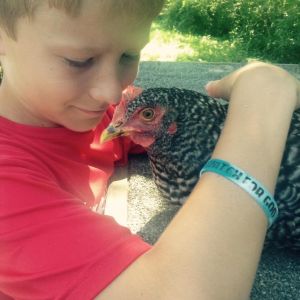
[(125, 58), (130, 58), (80, 64)]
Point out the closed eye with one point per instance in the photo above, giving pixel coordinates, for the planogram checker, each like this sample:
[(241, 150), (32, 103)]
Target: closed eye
[(127, 58), (80, 64)]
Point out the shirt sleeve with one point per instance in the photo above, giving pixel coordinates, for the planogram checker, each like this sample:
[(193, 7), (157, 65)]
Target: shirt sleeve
[(52, 246)]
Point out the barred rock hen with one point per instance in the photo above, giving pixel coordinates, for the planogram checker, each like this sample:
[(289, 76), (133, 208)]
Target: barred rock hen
[(179, 129)]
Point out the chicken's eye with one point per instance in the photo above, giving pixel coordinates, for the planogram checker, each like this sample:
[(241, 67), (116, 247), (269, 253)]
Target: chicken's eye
[(147, 114)]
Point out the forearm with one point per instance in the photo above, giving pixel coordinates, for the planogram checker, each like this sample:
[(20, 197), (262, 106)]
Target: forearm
[(222, 225), (256, 128)]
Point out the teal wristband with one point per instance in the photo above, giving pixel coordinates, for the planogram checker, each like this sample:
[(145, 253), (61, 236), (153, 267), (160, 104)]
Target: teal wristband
[(260, 194)]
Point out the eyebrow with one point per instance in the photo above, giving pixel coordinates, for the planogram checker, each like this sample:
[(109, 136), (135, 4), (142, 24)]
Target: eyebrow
[(75, 48), (91, 50)]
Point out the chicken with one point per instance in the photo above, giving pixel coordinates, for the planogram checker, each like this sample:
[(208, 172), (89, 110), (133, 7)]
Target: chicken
[(179, 129)]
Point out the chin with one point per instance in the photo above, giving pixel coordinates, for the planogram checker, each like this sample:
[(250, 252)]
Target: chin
[(82, 127)]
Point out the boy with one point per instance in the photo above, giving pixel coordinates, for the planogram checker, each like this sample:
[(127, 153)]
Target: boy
[(65, 63), (64, 66)]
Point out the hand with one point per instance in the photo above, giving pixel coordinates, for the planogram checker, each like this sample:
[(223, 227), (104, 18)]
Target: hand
[(257, 75)]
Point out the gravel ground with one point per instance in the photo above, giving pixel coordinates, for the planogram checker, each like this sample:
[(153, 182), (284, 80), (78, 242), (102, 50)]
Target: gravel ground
[(278, 276)]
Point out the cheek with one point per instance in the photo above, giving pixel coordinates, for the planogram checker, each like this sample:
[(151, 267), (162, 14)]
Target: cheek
[(55, 92), (38, 79), (64, 86)]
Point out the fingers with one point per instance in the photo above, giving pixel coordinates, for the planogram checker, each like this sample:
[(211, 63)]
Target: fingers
[(218, 89), (224, 87), (212, 89)]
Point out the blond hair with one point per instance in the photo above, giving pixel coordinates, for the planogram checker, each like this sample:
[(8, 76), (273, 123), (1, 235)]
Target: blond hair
[(12, 10)]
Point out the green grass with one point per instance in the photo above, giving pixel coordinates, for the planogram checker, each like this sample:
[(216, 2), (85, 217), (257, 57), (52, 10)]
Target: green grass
[(173, 46)]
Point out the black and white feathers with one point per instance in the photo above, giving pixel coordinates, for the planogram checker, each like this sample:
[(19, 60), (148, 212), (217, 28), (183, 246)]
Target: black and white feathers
[(180, 128)]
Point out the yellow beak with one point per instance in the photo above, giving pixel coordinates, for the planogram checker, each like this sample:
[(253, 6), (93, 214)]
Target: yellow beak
[(111, 133)]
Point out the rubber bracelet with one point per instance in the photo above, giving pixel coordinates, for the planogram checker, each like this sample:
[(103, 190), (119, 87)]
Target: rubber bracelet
[(261, 195)]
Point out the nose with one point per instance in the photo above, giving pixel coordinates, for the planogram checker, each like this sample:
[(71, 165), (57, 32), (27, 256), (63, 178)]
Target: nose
[(107, 89)]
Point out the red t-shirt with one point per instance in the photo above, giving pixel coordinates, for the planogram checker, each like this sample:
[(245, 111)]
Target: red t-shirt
[(52, 244)]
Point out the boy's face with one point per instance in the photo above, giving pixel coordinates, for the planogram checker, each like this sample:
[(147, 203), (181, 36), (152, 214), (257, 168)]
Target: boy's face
[(66, 71)]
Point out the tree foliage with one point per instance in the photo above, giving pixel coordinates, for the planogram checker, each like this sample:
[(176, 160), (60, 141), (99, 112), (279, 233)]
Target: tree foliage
[(268, 29)]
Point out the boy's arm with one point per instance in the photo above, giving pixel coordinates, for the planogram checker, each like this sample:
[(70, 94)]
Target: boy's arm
[(212, 247), (52, 245)]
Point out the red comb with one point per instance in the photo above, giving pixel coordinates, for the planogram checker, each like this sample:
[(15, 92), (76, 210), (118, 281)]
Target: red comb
[(131, 92)]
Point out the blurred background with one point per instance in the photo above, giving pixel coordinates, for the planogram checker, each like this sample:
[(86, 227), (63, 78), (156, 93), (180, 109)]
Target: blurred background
[(226, 31)]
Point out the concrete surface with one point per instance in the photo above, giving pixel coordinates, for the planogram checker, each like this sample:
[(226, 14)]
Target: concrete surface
[(278, 276)]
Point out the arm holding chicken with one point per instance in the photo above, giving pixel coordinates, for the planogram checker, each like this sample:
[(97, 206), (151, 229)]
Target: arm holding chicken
[(212, 247), (179, 129)]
